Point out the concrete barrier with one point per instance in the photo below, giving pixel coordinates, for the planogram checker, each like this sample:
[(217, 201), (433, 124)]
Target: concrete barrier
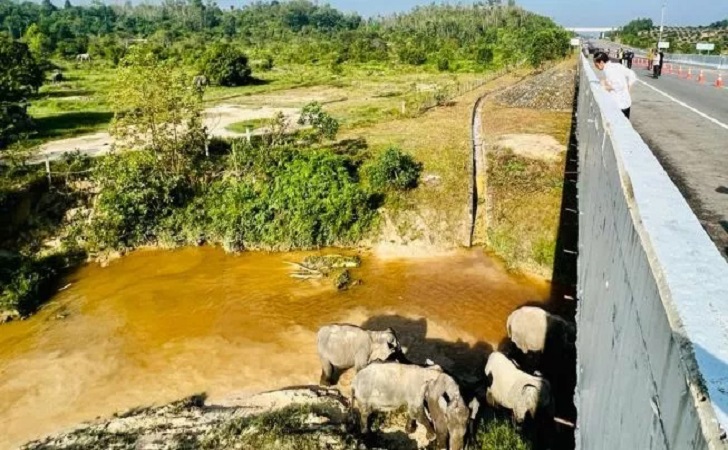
[(652, 316)]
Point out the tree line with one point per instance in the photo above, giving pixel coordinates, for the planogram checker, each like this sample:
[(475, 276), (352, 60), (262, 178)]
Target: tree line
[(295, 31)]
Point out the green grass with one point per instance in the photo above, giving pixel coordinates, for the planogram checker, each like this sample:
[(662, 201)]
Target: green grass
[(500, 434), (526, 196), (76, 106), (242, 127)]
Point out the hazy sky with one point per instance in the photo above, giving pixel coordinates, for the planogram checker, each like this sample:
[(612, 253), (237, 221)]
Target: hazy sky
[(571, 12)]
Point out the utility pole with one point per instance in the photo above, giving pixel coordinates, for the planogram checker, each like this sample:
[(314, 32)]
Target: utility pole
[(662, 22)]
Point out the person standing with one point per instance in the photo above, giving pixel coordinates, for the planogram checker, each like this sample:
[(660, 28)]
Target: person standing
[(650, 59), (657, 65), (630, 57), (618, 81), (662, 62)]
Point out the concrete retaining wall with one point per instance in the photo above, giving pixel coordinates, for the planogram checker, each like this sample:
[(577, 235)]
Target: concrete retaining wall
[(653, 312)]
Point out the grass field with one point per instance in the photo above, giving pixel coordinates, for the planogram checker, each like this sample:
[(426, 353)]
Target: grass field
[(523, 194)]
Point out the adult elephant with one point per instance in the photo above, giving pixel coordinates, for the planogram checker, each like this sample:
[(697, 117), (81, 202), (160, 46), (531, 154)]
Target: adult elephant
[(343, 346)]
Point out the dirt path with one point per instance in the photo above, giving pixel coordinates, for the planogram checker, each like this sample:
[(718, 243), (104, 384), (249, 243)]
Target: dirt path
[(216, 119)]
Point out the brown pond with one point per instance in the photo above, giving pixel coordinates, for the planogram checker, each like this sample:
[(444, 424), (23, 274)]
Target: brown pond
[(156, 326)]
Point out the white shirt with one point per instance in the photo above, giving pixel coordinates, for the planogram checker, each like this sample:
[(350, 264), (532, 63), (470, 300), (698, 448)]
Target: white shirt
[(620, 79)]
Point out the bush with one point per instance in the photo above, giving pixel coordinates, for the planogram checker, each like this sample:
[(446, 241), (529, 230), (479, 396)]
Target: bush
[(136, 193), (25, 281), (225, 65), (393, 169), (289, 199), (443, 64)]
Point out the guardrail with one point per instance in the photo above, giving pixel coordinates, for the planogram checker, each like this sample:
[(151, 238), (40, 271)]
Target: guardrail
[(712, 61), (652, 316)]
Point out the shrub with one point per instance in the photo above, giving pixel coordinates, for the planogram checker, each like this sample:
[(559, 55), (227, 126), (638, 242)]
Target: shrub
[(323, 125), (393, 169), (225, 65), (443, 64), (288, 199), (136, 193)]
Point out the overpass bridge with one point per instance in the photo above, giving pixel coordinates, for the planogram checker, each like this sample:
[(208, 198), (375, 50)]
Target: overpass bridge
[(652, 316), (592, 30)]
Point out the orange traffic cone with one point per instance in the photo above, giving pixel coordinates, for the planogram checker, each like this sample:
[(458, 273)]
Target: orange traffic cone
[(690, 74), (679, 72), (719, 81), (701, 77)]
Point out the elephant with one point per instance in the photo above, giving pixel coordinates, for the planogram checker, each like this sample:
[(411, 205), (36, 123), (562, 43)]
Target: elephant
[(56, 77), (388, 386), (199, 82), (534, 330), (509, 387), (343, 346), (448, 412)]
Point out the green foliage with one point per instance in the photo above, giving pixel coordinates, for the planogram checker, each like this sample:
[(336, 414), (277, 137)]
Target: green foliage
[(20, 76), (25, 281), (136, 194), (298, 31), (155, 108), (393, 170), (288, 199), (500, 434), (225, 65), (323, 125)]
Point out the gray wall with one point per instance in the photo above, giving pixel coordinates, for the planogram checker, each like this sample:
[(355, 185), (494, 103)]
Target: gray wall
[(652, 317)]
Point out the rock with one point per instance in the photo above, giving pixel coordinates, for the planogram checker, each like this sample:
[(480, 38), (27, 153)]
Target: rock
[(552, 90)]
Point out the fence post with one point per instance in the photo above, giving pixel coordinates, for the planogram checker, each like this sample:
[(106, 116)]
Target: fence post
[(248, 135), (48, 171), (404, 107)]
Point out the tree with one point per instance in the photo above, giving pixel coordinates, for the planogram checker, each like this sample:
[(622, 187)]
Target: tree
[(156, 108), (225, 65), (39, 44), (20, 76), (323, 126)]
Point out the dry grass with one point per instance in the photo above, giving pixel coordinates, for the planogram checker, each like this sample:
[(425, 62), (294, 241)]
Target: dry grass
[(523, 197), (437, 212)]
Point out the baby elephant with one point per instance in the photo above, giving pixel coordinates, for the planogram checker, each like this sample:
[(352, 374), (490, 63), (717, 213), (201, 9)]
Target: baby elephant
[(448, 412), (388, 386), (525, 395), (342, 347), (535, 330)]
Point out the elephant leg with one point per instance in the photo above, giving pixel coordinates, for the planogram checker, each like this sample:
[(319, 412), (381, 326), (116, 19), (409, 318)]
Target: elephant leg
[(364, 414), (421, 416), (327, 373)]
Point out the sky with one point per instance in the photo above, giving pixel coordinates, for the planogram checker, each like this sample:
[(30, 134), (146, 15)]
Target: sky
[(570, 13)]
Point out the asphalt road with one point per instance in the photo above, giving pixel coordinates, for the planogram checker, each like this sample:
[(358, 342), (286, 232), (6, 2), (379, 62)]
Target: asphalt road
[(686, 125)]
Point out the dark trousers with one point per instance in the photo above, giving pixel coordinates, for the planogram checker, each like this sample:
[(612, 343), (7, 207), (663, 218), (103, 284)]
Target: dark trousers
[(629, 63), (656, 70), (626, 112)]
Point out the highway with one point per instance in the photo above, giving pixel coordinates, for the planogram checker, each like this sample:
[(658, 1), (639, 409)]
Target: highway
[(685, 123)]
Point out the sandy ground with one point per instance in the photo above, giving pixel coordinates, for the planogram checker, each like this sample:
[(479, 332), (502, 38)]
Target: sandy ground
[(533, 146), (216, 119)]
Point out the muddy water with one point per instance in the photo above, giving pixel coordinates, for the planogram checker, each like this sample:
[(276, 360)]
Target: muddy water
[(157, 326)]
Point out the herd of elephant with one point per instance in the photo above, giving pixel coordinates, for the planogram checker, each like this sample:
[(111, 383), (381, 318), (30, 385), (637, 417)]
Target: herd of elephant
[(386, 380)]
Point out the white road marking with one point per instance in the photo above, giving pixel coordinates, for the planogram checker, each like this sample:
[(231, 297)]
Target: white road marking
[(700, 113)]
